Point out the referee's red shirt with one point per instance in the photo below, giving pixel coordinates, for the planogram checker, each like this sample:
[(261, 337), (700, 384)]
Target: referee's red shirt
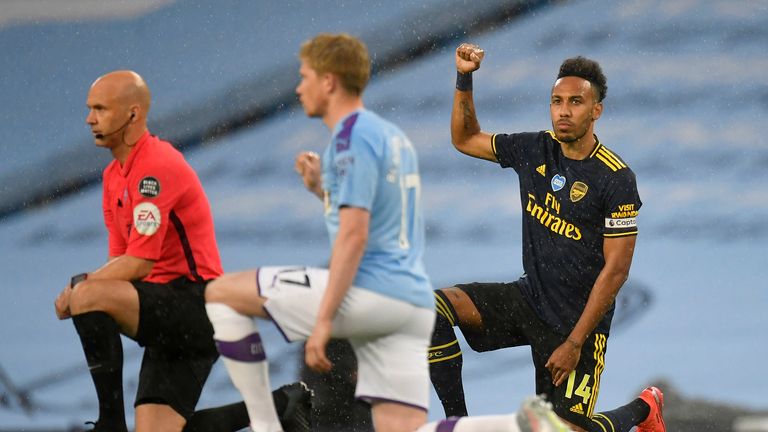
[(155, 208)]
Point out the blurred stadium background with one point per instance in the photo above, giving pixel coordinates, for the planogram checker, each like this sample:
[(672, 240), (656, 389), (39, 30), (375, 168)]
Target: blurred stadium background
[(686, 107)]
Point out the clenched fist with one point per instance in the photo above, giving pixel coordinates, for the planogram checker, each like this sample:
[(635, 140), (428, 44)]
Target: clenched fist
[(468, 57)]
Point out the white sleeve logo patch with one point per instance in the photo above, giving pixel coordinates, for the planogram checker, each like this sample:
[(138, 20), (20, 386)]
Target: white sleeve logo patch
[(621, 223), (146, 218)]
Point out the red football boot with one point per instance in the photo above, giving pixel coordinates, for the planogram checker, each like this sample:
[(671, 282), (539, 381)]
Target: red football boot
[(655, 420)]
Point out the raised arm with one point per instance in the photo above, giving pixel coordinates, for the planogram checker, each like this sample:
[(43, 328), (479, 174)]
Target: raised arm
[(465, 129)]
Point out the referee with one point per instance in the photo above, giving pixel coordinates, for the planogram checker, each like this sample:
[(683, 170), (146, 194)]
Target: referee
[(580, 204), (162, 251)]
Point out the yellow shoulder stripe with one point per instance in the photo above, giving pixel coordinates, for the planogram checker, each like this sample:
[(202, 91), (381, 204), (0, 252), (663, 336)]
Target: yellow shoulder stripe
[(610, 164), (608, 154), (608, 157), (594, 150)]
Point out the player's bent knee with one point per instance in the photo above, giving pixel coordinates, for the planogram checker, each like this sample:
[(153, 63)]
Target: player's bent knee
[(238, 291), (117, 298), (221, 289), (455, 296), (463, 307), (87, 298), (214, 291)]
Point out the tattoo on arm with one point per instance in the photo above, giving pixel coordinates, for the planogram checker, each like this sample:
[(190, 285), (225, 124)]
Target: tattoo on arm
[(470, 119)]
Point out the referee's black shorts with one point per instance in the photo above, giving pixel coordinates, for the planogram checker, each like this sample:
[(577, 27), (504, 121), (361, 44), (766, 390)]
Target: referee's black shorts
[(509, 321), (178, 339)]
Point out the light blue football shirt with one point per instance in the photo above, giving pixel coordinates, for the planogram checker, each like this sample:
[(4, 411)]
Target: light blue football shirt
[(371, 164)]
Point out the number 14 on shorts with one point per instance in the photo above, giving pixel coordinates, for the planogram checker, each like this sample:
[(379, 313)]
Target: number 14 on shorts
[(583, 390)]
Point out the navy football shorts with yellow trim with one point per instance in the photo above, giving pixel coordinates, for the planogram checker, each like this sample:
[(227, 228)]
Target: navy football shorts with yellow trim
[(508, 321)]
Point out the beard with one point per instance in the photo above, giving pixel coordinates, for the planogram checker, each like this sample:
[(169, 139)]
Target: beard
[(571, 137), (577, 132)]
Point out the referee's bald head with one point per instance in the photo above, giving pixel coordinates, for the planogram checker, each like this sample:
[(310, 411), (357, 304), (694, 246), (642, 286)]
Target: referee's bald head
[(126, 86)]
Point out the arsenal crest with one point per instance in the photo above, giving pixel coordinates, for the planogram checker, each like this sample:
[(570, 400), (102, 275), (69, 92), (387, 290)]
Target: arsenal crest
[(578, 190)]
